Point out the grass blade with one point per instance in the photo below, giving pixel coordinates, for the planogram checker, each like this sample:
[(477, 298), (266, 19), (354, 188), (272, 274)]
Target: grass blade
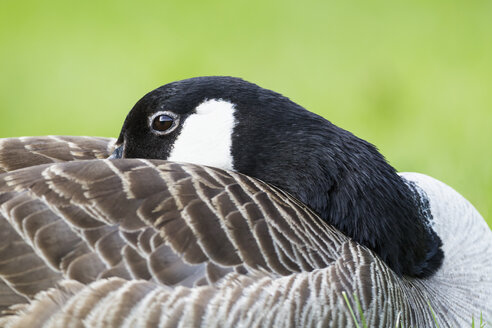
[(359, 307), (350, 309), (398, 319), (433, 314)]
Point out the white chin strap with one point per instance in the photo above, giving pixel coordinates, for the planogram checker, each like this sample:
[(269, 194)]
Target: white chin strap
[(206, 136)]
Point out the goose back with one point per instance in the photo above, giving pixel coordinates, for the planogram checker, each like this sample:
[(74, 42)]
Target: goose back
[(148, 242)]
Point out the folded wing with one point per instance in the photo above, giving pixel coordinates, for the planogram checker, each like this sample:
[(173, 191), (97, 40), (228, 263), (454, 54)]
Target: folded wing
[(130, 241)]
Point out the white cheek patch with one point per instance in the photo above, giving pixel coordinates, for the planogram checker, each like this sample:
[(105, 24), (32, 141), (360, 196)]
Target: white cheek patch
[(206, 136)]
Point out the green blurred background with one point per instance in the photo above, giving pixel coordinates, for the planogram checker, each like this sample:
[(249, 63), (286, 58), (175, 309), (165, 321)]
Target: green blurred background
[(413, 78)]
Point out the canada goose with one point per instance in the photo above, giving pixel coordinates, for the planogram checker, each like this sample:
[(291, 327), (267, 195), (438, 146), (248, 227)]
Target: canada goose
[(276, 214)]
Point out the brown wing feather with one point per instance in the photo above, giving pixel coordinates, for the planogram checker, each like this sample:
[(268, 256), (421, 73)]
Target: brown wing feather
[(16, 153), (260, 257), (173, 223)]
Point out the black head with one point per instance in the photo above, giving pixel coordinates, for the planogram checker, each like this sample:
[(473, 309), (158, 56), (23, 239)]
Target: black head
[(232, 124)]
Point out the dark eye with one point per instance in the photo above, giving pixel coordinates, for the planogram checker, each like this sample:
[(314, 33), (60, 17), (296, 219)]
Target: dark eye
[(162, 123)]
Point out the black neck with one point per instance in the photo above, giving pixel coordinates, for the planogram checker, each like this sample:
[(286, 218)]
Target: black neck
[(349, 184)]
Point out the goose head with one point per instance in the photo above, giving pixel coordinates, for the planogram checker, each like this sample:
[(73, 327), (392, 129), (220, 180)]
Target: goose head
[(235, 125)]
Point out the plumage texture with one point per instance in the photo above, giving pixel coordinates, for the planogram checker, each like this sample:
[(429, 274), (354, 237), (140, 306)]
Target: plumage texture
[(125, 243), (343, 178)]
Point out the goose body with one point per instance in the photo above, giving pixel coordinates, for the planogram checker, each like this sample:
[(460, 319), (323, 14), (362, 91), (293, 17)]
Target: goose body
[(225, 204)]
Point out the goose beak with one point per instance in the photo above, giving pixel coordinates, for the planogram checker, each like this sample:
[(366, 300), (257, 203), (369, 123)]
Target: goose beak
[(117, 153)]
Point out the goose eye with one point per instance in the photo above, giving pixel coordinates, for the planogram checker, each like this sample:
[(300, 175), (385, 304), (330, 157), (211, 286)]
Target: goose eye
[(163, 123)]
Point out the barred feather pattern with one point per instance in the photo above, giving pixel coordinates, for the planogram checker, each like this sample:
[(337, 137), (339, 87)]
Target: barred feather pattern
[(90, 242)]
